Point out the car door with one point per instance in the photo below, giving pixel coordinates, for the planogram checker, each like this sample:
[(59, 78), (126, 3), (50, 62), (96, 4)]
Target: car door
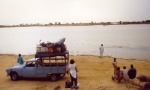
[(29, 70)]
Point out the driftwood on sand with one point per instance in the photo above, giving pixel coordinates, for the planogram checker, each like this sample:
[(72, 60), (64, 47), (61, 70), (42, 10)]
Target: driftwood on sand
[(143, 82)]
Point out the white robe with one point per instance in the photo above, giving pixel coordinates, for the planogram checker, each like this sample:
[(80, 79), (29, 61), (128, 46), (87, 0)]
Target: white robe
[(73, 70), (125, 74)]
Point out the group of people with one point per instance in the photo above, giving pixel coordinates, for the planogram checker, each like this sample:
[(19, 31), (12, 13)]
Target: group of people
[(123, 74), (118, 74)]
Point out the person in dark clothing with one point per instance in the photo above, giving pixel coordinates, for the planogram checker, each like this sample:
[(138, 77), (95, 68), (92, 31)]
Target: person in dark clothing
[(132, 72)]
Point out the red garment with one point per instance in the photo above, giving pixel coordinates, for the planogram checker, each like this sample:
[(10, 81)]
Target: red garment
[(119, 76)]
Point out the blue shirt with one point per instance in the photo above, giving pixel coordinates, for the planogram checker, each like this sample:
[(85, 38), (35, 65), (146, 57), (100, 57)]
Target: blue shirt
[(20, 60)]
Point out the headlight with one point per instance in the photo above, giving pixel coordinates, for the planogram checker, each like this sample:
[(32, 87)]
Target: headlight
[(8, 70)]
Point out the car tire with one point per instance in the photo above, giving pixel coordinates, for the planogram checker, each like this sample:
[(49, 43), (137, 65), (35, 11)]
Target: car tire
[(53, 77), (14, 76)]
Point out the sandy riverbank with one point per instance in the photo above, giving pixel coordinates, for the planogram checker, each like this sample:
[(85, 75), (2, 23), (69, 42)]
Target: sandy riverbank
[(94, 74)]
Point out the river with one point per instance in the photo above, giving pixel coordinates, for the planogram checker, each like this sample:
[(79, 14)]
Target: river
[(121, 41)]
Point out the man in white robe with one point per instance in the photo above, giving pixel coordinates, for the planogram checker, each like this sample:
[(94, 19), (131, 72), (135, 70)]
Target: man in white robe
[(101, 49)]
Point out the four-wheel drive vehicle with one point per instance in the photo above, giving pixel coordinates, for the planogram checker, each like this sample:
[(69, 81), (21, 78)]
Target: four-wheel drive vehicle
[(43, 65)]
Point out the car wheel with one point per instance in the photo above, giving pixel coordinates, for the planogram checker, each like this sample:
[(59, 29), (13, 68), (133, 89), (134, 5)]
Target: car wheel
[(14, 76), (53, 77)]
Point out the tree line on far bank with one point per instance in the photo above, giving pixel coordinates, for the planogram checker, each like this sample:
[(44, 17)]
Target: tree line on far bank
[(79, 24)]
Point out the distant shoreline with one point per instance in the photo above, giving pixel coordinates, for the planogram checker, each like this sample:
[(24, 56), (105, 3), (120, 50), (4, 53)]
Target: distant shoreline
[(77, 24), (13, 26), (84, 55)]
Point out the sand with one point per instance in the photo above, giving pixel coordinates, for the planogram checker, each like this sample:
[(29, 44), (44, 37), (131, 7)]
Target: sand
[(94, 73)]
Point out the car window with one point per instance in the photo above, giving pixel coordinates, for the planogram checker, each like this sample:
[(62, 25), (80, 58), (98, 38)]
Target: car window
[(30, 64)]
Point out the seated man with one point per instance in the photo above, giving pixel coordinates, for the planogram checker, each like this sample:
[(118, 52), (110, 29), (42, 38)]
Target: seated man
[(132, 72), (39, 63), (125, 74), (118, 76)]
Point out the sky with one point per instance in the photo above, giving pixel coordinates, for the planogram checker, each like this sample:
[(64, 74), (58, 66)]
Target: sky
[(13, 12)]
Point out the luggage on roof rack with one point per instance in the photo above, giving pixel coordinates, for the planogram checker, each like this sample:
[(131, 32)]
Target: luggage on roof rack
[(46, 54), (49, 47)]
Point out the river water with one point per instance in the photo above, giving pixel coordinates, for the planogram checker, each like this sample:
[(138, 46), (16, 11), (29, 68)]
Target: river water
[(121, 41)]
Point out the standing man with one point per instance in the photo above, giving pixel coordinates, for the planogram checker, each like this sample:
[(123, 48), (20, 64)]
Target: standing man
[(20, 59), (101, 49), (72, 69), (115, 66)]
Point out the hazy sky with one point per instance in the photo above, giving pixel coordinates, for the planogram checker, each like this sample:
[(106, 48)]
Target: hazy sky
[(46, 11)]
